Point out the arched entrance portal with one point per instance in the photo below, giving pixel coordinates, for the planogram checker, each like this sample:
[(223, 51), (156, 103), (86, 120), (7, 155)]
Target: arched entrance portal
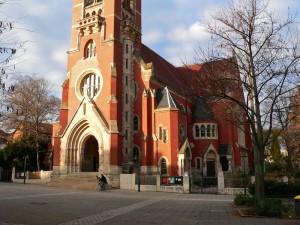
[(90, 159)]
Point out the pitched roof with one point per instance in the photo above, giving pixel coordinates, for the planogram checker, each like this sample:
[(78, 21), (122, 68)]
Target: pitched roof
[(166, 73), (166, 100), (202, 111), (184, 79)]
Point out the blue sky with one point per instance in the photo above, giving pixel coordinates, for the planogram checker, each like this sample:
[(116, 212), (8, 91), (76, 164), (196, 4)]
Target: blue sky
[(170, 27)]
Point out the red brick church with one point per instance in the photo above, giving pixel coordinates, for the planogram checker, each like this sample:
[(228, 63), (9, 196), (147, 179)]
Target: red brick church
[(126, 108)]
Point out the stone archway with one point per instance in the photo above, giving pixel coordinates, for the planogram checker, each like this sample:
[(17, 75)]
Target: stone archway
[(90, 155)]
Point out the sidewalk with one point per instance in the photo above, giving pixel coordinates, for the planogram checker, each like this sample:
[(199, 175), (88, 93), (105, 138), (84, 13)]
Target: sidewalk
[(40, 205)]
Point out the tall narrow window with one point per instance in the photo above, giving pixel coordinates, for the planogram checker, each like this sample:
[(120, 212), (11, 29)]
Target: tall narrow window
[(160, 133), (163, 167), (198, 163), (135, 90), (165, 136), (90, 49), (202, 131), (136, 123), (197, 131), (181, 133), (213, 131), (208, 131)]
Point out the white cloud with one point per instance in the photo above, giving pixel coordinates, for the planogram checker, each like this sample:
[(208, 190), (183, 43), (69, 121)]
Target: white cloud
[(40, 9), (195, 32), (153, 37), (59, 55)]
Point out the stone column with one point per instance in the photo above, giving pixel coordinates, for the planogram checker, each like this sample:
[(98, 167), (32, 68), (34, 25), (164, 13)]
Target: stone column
[(186, 183), (221, 182)]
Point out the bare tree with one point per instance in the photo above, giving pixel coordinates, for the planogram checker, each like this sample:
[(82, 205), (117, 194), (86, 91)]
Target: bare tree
[(265, 50), (10, 45), (32, 106)]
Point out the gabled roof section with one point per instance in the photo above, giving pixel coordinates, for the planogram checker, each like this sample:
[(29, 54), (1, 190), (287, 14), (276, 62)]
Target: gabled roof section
[(202, 111), (187, 80), (216, 77), (184, 146), (166, 100), (167, 74)]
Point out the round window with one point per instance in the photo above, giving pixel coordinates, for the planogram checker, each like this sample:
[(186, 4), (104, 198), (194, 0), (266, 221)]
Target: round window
[(90, 85)]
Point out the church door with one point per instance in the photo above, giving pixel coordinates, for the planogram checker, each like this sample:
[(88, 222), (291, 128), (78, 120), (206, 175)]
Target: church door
[(90, 161), (211, 170)]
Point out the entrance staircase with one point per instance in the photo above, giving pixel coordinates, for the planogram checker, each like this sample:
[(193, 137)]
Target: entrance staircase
[(84, 181)]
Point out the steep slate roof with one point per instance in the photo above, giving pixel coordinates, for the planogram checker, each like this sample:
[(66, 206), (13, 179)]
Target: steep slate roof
[(166, 100), (184, 79), (202, 111), (166, 73)]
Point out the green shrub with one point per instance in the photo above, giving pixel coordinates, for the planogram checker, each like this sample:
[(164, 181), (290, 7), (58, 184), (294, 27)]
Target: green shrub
[(271, 207), (297, 174), (275, 188), (243, 200), (288, 211)]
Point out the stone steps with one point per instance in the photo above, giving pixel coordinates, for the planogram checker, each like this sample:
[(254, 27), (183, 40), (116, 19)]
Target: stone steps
[(85, 181)]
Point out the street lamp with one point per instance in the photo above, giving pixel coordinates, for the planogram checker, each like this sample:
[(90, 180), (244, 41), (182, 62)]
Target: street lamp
[(244, 155), (137, 161), (24, 171)]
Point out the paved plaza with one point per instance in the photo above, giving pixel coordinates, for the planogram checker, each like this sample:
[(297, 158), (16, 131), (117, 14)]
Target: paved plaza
[(39, 205)]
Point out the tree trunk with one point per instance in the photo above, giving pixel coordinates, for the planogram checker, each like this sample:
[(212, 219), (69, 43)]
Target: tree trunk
[(259, 175), (37, 159)]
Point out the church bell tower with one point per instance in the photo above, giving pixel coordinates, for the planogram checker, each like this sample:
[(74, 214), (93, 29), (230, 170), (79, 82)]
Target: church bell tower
[(98, 93)]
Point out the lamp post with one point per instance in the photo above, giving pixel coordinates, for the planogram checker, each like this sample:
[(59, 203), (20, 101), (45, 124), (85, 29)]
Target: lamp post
[(137, 161), (244, 155), (24, 171)]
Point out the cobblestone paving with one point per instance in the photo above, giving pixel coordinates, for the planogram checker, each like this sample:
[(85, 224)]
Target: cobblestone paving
[(39, 205), (101, 217), (34, 196)]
